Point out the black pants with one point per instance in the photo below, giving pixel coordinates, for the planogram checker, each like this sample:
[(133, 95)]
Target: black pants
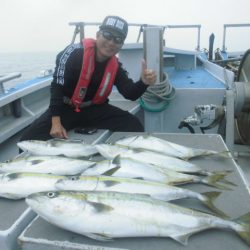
[(104, 116)]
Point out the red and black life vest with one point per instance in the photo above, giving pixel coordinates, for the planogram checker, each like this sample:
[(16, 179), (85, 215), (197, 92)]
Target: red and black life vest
[(87, 70)]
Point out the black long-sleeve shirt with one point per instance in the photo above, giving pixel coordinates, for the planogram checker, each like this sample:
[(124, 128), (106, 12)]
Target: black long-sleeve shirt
[(67, 72)]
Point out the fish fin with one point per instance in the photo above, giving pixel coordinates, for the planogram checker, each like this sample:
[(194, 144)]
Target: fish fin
[(35, 162), (63, 155), (117, 160), (228, 182), (208, 200), (138, 178), (100, 237), (203, 212), (13, 176), (140, 195), (244, 231), (91, 166), (110, 183), (111, 171), (183, 239), (24, 155), (137, 150), (223, 154), (213, 182), (100, 207), (211, 153), (219, 175), (243, 219)]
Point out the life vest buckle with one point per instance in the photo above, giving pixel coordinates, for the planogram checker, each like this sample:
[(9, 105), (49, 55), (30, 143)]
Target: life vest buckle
[(77, 106), (77, 109)]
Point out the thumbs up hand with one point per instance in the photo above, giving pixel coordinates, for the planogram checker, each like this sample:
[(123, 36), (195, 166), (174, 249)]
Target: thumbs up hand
[(148, 76)]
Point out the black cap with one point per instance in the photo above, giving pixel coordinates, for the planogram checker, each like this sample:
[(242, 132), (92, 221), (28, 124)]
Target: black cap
[(115, 23)]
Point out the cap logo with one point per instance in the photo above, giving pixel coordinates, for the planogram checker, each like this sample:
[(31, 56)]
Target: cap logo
[(115, 23)]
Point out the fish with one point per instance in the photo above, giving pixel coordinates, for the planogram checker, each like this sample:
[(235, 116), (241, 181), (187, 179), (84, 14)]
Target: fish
[(152, 143), (64, 147), (128, 185), (107, 215), (19, 185), (110, 151), (57, 165), (130, 168)]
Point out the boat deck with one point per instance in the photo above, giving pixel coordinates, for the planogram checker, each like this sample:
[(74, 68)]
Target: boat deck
[(41, 234), (197, 78)]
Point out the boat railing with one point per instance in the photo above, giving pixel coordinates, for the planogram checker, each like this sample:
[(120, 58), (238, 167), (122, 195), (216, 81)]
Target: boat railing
[(6, 78), (226, 26), (22, 104), (80, 29)]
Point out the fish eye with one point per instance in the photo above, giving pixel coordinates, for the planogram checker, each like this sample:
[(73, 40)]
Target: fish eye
[(74, 178), (51, 194)]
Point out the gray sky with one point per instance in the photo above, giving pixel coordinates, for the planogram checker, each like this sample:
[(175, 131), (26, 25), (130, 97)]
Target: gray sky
[(42, 25)]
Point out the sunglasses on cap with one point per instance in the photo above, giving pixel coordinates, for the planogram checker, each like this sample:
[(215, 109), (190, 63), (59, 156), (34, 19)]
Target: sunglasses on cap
[(109, 36)]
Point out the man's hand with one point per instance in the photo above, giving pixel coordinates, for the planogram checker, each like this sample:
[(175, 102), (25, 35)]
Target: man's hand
[(148, 76), (57, 129)]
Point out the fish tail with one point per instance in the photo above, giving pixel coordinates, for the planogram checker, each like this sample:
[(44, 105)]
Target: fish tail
[(228, 182), (179, 182), (208, 199), (212, 181), (224, 154), (220, 175), (244, 230), (199, 153)]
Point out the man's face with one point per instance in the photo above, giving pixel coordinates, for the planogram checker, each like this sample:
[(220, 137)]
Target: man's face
[(108, 44)]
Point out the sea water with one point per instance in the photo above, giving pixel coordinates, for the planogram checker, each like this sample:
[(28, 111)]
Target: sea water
[(29, 64)]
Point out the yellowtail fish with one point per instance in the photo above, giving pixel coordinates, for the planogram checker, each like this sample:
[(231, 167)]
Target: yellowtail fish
[(20, 185), (107, 215), (126, 167), (128, 185), (111, 151), (69, 148), (152, 143), (46, 164)]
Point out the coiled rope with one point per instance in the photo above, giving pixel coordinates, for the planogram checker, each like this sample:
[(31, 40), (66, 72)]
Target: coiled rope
[(157, 97)]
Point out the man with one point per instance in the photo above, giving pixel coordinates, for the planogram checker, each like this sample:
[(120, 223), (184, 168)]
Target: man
[(84, 76)]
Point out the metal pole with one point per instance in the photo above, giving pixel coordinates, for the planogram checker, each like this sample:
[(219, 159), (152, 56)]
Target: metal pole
[(6, 78), (153, 49), (232, 26), (224, 39), (198, 42), (230, 120)]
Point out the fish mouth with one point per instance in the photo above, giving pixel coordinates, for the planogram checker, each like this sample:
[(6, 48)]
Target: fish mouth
[(33, 197), (36, 199), (32, 202)]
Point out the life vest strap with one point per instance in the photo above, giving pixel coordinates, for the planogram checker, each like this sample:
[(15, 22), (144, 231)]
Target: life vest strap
[(67, 100)]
